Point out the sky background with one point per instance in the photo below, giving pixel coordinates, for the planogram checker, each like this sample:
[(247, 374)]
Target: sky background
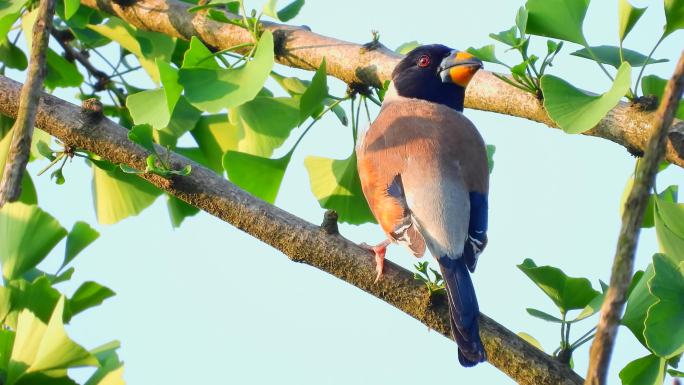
[(206, 303)]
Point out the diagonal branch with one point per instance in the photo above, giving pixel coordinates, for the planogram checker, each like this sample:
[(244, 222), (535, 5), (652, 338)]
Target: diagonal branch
[(623, 265), (22, 131), (299, 240), (627, 124)]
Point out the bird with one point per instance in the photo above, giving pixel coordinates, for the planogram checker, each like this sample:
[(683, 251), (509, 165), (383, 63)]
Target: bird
[(423, 171)]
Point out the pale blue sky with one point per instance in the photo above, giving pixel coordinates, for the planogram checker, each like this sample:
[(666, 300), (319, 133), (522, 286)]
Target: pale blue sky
[(208, 304)]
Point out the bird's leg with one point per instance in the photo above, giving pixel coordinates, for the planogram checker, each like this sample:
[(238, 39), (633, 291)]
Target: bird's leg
[(379, 251)]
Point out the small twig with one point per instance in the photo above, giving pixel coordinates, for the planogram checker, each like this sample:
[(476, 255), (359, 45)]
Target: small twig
[(18, 156), (623, 264)]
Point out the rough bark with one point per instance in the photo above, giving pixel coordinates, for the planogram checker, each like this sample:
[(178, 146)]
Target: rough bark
[(623, 264), (299, 240), (22, 131), (627, 124)]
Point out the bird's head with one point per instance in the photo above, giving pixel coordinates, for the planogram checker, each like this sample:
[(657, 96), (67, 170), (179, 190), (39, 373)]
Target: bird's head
[(435, 73)]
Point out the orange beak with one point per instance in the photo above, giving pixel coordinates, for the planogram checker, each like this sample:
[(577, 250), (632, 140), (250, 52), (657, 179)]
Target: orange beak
[(459, 68)]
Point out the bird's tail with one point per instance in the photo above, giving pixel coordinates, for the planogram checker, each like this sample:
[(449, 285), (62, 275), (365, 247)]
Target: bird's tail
[(463, 311)]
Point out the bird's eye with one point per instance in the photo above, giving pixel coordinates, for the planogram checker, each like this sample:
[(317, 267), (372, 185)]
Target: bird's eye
[(423, 61)]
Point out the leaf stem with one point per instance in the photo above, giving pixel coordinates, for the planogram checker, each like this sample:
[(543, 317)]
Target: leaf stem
[(650, 54), (593, 56), (316, 119), (54, 162)]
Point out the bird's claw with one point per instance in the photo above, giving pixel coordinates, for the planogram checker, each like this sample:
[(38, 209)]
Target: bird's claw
[(379, 251)]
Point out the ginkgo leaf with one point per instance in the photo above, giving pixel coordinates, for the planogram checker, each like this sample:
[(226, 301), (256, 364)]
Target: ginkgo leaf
[(566, 292), (576, 111), (146, 46), (258, 175), (80, 236), (28, 234), (213, 90), (264, 123), (118, 195), (336, 185), (40, 347)]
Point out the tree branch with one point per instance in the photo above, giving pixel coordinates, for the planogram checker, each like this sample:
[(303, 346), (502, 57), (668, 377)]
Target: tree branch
[(623, 265), (627, 124), (22, 131), (299, 240)]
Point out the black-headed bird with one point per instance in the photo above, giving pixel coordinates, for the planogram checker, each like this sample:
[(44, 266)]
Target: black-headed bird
[(423, 170)]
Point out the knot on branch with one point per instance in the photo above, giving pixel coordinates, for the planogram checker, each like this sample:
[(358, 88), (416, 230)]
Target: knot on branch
[(373, 44), (124, 3), (646, 103), (354, 89), (676, 138), (329, 225), (91, 109), (280, 37)]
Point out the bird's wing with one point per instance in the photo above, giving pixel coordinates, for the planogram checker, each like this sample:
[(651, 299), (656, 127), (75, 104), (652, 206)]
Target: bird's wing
[(440, 159)]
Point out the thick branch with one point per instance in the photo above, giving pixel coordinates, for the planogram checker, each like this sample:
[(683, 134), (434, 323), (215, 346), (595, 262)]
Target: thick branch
[(296, 238), (623, 265), (22, 131), (298, 47)]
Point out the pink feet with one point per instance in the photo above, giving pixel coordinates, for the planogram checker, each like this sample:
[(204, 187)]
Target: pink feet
[(379, 251)]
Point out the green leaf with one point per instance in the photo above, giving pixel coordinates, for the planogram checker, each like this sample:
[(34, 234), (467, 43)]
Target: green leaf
[(542, 315), (485, 53), (231, 5), (655, 86), (80, 236), (142, 135), (70, 8), (533, 341), (199, 56), (407, 47), (146, 46), (28, 235), (41, 348), (648, 370), (12, 56), (566, 292), (259, 176), (675, 373), (575, 111), (263, 124), (60, 72), (663, 332), (118, 195), (608, 54), (183, 119), (89, 294), (491, 149), (312, 99), (6, 343), (521, 20), (674, 16), (593, 307), (287, 13), (38, 296), (336, 185), (213, 90), (559, 19), (111, 368), (628, 16), (669, 223), (179, 210), (9, 13), (215, 135), (149, 108), (638, 302), (508, 37), (155, 107)]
